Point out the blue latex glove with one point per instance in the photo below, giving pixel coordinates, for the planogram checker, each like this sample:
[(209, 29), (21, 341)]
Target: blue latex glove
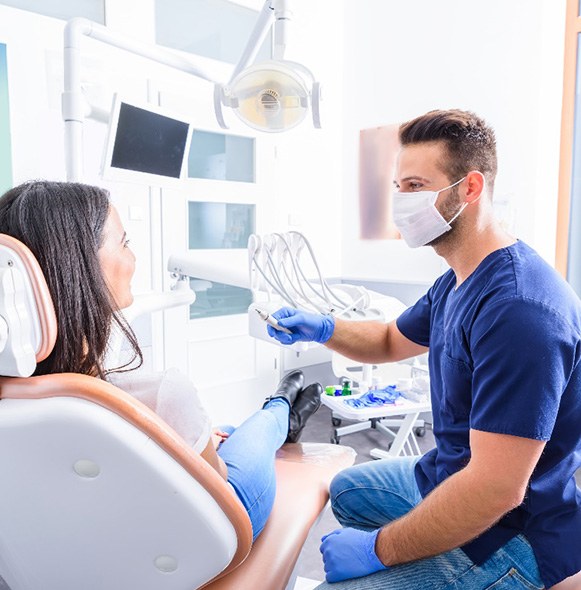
[(305, 326), (350, 553), (379, 398)]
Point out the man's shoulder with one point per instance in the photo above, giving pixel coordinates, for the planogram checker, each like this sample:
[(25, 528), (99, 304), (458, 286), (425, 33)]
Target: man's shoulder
[(536, 282), (527, 289)]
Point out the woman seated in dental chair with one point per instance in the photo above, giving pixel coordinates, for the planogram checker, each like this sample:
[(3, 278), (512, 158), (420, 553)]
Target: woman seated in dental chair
[(79, 241)]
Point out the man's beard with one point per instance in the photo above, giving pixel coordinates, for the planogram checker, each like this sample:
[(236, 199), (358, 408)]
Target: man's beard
[(452, 205)]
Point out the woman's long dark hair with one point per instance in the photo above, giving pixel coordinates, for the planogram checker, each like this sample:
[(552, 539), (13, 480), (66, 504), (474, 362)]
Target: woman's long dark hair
[(62, 224)]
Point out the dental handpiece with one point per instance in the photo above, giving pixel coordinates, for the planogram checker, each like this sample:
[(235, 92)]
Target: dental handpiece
[(272, 321)]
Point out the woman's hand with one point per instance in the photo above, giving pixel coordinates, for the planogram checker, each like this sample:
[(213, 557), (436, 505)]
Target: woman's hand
[(209, 454), (218, 437)]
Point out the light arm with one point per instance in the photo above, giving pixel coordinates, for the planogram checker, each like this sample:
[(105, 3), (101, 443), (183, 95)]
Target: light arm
[(256, 39), (281, 11), (221, 266)]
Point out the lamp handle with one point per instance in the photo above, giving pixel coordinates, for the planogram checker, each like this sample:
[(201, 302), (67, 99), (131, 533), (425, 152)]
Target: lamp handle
[(218, 98), (315, 105)]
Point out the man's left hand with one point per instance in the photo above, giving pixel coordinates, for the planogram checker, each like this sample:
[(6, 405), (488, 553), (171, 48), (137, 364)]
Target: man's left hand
[(350, 553)]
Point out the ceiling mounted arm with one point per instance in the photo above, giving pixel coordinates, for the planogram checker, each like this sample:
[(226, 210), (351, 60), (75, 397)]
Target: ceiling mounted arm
[(256, 39)]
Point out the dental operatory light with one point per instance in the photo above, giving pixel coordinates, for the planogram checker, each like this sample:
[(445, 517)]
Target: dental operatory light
[(274, 95)]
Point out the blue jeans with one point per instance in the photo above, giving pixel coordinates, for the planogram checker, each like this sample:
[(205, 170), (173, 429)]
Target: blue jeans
[(249, 455), (370, 495)]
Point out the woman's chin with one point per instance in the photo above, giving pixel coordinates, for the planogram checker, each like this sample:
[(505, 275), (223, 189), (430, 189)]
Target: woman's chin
[(125, 302)]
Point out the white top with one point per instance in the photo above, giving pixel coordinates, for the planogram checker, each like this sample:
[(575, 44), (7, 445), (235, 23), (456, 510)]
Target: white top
[(174, 398)]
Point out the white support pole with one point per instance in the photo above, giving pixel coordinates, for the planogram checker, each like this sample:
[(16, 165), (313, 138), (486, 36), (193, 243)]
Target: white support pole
[(282, 18), (72, 99), (366, 377)]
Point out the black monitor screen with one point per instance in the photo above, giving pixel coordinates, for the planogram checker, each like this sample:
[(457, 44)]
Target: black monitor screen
[(149, 142)]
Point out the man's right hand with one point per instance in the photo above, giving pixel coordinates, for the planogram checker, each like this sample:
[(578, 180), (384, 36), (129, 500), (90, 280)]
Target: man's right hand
[(305, 326)]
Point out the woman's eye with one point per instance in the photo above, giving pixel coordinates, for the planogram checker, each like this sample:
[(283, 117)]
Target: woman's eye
[(126, 243)]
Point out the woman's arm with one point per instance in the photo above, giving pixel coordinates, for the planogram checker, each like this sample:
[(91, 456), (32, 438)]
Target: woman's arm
[(210, 455)]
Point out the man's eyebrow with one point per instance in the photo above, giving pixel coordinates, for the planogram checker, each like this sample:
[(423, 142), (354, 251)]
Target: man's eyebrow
[(407, 178)]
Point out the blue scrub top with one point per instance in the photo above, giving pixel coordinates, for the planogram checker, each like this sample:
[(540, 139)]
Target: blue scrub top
[(505, 349)]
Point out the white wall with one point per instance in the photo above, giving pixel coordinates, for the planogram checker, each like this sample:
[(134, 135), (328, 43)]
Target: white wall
[(36, 128), (503, 60)]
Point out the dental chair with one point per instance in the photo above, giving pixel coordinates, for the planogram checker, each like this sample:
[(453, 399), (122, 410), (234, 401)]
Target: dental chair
[(99, 493)]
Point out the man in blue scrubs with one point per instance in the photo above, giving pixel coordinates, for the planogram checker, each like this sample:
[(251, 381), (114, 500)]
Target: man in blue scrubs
[(495, 504)]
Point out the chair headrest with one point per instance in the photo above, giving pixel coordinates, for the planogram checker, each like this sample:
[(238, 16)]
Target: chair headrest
[(28, 325)]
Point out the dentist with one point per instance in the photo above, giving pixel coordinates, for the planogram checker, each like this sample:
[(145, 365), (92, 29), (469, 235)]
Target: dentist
[(495, 503)]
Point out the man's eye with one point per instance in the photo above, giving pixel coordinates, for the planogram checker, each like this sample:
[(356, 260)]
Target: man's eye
[(415, 186)]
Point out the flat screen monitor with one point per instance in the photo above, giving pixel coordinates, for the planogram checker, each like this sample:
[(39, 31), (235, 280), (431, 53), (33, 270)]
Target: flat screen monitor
[(145, 144)]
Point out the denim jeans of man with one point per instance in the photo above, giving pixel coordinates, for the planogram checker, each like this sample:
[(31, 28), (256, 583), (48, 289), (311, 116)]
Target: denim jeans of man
[(370, 495), (249, 454)]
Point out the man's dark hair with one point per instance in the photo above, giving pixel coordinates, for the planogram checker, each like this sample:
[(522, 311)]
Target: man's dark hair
[(470, 142), (62, 224)]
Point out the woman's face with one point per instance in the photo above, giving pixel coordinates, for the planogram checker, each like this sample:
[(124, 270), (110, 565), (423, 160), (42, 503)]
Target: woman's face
[(117, 260)]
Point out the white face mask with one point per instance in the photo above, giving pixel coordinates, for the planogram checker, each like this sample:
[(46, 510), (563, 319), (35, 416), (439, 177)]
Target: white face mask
[(417, 219)]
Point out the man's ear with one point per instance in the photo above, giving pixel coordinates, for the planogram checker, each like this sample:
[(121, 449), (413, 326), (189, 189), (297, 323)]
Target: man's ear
[(475, 186)]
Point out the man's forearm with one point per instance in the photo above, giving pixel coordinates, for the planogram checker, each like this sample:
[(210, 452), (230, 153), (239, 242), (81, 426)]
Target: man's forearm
[(456, 512), (366, 342)]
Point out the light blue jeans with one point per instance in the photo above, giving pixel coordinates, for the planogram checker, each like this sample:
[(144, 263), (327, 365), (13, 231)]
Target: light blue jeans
[(249, 455), (369, 495)]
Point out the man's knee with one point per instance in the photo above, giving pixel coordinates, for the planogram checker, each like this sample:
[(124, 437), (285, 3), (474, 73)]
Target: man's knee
[(344, 480), (348, 496), (372, 494)]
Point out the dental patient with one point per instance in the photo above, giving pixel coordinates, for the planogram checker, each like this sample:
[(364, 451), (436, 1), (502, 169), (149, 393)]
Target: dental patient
[(79, 241)]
